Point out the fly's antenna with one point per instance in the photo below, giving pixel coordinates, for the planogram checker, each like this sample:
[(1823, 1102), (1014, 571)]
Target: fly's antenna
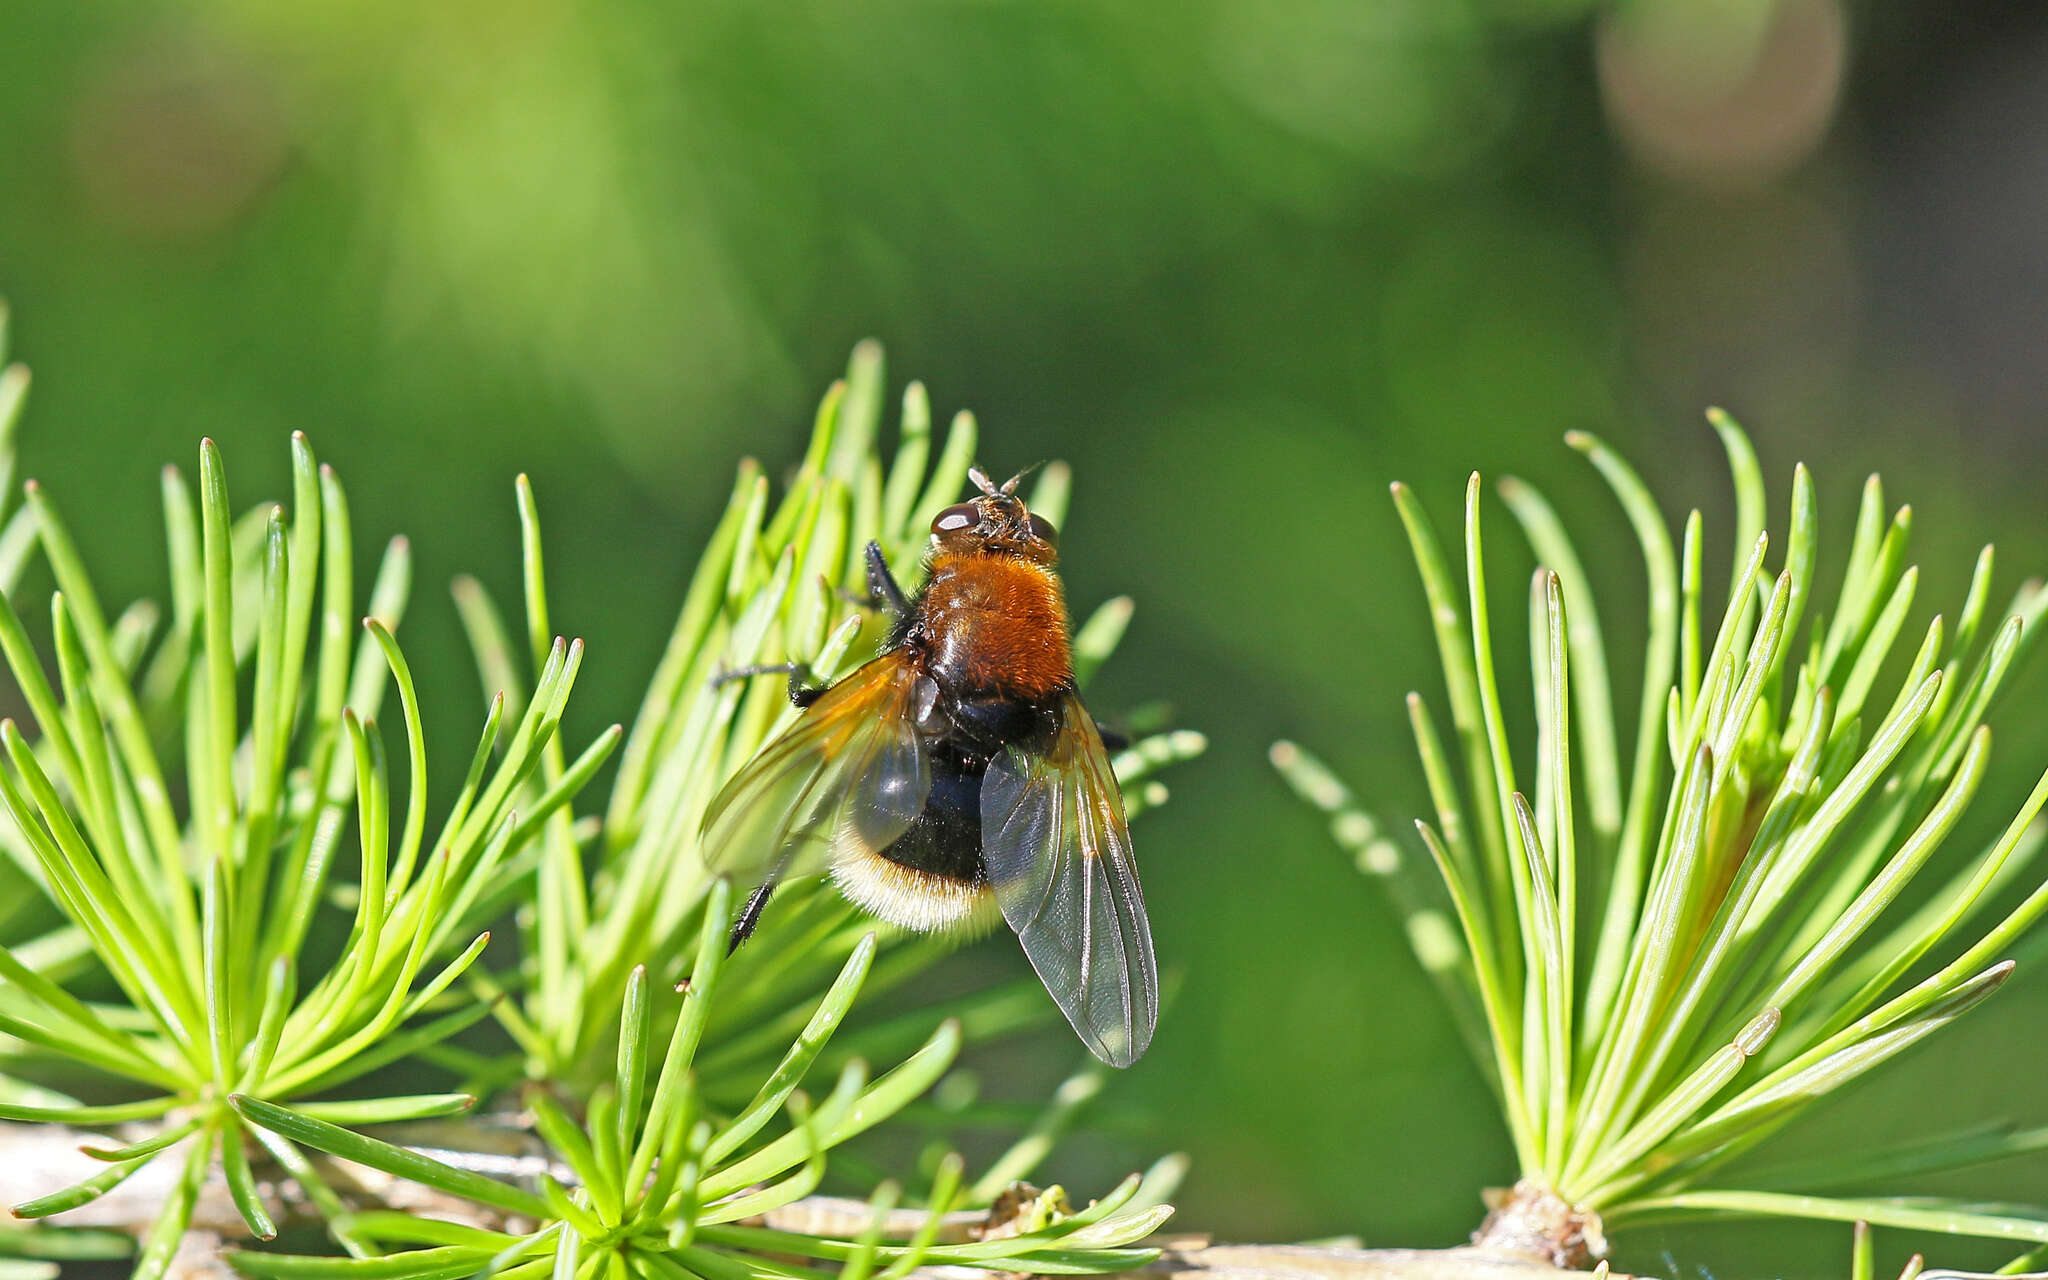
[(1010, 486)]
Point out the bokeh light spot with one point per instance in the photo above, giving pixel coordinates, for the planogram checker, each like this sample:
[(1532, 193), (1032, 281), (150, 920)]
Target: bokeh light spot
[(1723, 94)]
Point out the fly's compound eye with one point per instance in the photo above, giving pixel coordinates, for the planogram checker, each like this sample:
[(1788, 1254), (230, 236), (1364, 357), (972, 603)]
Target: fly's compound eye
[(1042, 529), (954, 519)]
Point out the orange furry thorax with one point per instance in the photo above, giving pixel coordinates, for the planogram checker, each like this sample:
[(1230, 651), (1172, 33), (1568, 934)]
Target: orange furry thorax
[(996, 623)]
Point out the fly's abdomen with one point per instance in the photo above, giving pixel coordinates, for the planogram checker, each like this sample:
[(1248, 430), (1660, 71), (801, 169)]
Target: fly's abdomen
[(931, 878)]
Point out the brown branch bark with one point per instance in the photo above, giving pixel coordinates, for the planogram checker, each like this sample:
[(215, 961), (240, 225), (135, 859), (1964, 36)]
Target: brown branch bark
[(36, 1160)]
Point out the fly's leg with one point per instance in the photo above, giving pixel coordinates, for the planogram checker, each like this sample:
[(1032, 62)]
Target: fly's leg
[(882, 586), (801, 693), (1112, 740), (750, 915), (883, 591)]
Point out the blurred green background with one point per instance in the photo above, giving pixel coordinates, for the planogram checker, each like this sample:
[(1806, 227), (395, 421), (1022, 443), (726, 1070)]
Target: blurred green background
[(1241, 263)]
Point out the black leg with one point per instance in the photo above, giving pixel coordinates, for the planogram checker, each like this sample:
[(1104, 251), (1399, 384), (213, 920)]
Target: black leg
[(750, 915), (882, 584), (1111, 739), (801, 693)]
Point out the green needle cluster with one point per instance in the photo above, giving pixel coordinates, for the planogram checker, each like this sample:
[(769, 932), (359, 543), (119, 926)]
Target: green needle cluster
[(665, 1186), (201, 923), (1663, 958)]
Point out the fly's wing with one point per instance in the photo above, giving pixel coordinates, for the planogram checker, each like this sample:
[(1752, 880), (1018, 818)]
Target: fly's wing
[(1059, 858), (850, 771)]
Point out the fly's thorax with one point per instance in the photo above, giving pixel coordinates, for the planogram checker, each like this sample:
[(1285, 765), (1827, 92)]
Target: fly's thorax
[(994, 626)]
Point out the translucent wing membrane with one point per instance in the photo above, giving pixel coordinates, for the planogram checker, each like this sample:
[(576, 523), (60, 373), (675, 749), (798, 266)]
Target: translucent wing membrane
[(850, 774), (1059, 858)]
